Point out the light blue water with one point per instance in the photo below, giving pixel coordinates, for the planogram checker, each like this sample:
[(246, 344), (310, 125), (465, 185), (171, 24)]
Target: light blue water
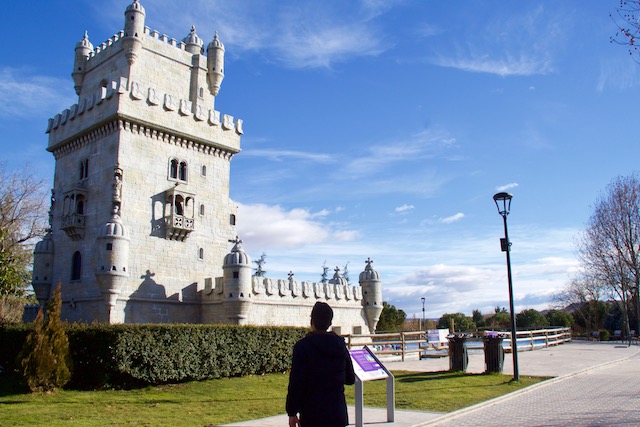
[(477, 346)]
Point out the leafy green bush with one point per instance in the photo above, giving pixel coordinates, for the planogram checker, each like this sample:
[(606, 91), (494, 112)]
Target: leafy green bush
[(12, 337), (604, 335), (158, 354), (130, 355)]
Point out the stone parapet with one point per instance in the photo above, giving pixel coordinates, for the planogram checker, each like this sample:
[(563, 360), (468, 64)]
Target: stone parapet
[(143, 104)]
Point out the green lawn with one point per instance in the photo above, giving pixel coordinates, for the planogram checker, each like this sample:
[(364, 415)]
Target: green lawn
[(224, 401)]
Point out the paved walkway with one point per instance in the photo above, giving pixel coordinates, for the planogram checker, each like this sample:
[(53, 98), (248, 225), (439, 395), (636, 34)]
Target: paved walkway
[(595, 384)]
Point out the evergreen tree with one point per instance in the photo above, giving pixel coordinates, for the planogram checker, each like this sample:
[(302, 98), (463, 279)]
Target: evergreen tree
[(559, 318), (45, 358), (461, 322), (478, 318), (391, 318), (531, 319)]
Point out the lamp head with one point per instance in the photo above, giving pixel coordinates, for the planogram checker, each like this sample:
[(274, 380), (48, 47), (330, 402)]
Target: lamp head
[(503, 203)]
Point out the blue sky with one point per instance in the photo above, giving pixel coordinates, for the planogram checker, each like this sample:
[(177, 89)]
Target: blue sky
[(382, 129)]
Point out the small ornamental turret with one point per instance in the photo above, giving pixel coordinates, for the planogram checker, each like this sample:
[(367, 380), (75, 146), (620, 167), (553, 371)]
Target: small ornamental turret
[(113, 259), (134, 17), (236, 278), (41, 279), (83, 50), (215, 65), (371, 295), (193, 43), (338, 282)]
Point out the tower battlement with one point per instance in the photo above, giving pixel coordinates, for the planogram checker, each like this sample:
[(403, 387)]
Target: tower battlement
[(268, 289), (112, 44), (180, 45), (146, 101)]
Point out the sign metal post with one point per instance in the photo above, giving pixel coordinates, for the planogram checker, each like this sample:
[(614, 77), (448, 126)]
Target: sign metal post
[(367, 368)]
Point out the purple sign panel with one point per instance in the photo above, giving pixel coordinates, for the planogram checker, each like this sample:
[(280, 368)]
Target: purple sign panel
[(366, 365)]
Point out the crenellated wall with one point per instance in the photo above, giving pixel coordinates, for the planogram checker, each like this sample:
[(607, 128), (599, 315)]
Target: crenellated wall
[(286, 302), (145, 102)]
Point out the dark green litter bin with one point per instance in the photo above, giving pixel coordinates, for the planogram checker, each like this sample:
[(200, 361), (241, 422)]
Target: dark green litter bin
[(493, 354), (458, 357)]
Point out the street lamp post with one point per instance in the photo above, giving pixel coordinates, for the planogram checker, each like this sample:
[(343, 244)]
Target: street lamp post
[(503, 202), (424, 323)]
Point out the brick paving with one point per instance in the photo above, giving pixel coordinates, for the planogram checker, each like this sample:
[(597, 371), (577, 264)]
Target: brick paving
[(604, 396), (594, 384)]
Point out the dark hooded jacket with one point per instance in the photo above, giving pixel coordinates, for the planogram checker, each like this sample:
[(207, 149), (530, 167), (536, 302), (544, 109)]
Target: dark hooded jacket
[(321, 367)]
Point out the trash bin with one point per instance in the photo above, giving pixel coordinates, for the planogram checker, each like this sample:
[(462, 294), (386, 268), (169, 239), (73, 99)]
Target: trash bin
[(493, 354), (458, 357)]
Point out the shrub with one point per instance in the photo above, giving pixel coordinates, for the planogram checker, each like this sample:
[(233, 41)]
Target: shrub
[(133, 355), (604, 335), (169, 353), (44, 359)]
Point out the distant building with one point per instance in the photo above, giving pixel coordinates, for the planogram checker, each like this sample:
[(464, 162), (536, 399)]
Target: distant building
[(141, 219)]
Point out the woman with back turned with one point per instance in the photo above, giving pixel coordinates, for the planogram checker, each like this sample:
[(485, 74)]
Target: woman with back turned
[(321, 367)]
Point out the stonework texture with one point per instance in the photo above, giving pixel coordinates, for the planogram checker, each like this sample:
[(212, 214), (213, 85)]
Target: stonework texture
[(141, 218)]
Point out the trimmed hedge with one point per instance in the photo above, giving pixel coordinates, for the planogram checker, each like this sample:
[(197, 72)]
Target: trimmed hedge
[(135, 355)]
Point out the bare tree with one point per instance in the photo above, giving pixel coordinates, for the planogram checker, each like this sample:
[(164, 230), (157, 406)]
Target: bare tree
[(610, 245), (22, 220), (583, 296), (627, 19)]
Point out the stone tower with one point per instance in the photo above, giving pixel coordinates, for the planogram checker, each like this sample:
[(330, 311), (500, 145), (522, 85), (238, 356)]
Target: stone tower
[(140, 213), (141, 219)]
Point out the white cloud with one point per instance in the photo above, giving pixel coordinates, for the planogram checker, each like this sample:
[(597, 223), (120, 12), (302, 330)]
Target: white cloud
[(404, 209), (620, 74), (263, 226), (507, 187), (25, 95), (296, 34), (281, 155), (321, 47), (320, 214), (345, 235), (452, 218), (513, 45), (423, 145), (521, 65)]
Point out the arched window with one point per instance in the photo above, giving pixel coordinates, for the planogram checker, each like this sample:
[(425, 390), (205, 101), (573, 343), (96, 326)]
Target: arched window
[(179, 205), (182, 173), (232, 219), (201, 209), (178, 169), (173, 169), (80, 204), (204, 170), (76, 266), (201, 253), (84, 168)]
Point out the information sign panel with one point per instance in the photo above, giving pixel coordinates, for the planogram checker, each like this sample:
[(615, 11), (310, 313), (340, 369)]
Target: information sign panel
[(366, 365)]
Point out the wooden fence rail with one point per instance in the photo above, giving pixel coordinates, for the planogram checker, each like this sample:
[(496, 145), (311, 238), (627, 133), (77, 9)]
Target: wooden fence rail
[(407, 343)]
